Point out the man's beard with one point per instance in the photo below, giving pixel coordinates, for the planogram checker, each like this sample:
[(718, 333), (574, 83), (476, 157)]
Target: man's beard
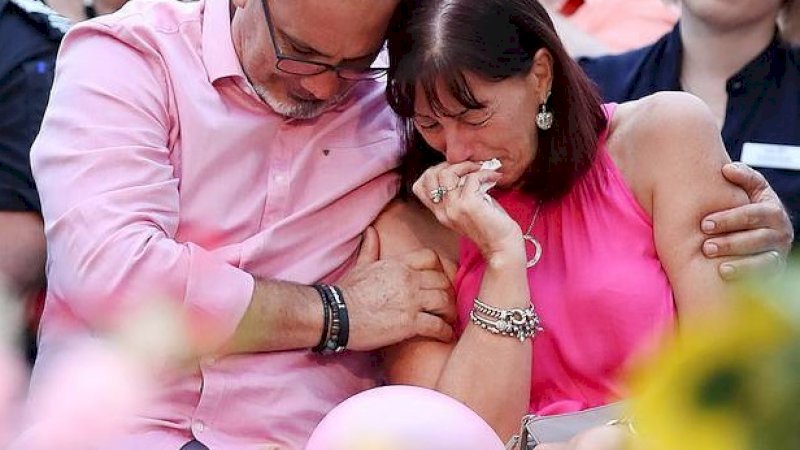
[(299, 109)]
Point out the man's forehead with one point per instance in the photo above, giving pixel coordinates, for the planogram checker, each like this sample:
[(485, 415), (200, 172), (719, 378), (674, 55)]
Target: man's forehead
[(334, 25)]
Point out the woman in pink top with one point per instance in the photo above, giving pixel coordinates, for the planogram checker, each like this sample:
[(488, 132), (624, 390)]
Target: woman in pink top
[(612, 195)]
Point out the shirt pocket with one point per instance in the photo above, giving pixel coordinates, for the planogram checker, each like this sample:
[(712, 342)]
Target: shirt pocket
[(354, 164)]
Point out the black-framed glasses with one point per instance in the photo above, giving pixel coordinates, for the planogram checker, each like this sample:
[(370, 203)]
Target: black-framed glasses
[(298, 66)]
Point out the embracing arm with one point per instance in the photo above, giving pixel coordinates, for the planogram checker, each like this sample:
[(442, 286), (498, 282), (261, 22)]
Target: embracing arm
[(680, 155)]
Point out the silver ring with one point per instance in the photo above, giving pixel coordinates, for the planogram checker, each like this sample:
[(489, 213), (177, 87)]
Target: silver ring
[(438, 194)]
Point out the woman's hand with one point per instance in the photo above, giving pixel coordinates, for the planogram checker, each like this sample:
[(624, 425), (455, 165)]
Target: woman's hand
[(465, 209)]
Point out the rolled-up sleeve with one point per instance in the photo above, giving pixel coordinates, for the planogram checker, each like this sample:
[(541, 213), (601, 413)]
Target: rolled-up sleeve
[(110, 194)]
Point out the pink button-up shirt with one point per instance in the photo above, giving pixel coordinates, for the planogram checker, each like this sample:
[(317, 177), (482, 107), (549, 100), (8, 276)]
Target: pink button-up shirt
[(162, 174)]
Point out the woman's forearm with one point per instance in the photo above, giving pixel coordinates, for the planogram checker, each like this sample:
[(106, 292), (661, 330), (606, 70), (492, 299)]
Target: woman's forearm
[(491, 373)]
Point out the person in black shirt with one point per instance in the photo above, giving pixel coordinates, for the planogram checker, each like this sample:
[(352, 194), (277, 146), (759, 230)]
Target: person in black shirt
[(30, 34), (730, 55)]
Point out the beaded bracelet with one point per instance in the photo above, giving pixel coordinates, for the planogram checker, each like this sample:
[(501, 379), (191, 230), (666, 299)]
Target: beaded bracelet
[(326, 326), (336, 330), (344, 319)]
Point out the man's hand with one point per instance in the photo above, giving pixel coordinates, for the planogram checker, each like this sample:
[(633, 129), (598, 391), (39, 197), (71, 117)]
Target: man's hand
[(392, 300), (761, 232)]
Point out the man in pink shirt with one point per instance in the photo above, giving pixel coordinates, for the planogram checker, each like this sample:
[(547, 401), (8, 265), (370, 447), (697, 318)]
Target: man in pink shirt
[(177, 161), (228, 156)]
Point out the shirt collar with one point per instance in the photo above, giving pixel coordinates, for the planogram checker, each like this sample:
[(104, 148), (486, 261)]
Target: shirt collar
[(763, 67), (219, 56)]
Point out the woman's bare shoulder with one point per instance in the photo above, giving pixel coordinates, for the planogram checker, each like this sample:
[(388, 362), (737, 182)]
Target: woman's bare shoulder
[(405, 226), (667, 132), (661, 120)]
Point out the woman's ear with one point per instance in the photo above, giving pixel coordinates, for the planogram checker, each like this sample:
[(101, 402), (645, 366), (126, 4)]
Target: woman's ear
[(541, 73)]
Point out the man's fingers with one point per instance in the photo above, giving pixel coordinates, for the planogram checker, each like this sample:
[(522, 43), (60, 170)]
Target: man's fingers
[(423, 259), (747, 178), (434, 279), (744, 243), (747, 217), (765, 264), (370, 249), (439, 303), (428, 325)]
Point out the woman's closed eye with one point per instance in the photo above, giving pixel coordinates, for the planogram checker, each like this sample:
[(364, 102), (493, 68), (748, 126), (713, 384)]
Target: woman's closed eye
[(476, 117), (425, 122)]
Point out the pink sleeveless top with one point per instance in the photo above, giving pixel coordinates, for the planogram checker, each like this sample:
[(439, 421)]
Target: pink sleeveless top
[(599, 288)]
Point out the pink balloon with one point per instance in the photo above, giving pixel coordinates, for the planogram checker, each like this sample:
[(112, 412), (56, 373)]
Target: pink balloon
[(403, 418)]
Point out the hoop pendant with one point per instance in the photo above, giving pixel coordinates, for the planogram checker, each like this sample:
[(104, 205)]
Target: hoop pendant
[(537, 250)]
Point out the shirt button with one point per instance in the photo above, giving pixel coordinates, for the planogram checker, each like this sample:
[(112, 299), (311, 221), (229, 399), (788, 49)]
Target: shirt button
[(737, 85), (198, 426), (280, 178)]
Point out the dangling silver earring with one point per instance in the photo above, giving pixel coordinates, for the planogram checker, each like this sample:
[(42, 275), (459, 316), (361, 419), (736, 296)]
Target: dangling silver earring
[(544, 118)]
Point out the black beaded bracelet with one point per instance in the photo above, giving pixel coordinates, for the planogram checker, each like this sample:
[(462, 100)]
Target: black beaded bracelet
[(332, 345), (344, 319), (326, 308)]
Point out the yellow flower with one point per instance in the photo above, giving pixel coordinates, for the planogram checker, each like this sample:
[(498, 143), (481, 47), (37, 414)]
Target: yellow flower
[(702, 392)]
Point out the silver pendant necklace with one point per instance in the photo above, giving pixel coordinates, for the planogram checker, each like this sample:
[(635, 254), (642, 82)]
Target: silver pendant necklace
[(528, 237)]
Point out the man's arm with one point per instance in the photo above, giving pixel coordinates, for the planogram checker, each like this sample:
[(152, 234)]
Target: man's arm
[(110, 199), (388, 301)]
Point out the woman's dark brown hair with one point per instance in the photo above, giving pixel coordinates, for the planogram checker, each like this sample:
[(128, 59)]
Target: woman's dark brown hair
[(441, 40)]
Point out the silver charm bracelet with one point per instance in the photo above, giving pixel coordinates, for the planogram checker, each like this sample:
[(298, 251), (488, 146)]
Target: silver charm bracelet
[(521, 323)]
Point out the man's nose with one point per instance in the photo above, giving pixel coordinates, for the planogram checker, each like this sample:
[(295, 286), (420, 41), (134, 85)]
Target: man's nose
[(322, 86)]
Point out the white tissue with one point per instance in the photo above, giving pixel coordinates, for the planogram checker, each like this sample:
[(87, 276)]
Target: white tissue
[(492, 164)]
